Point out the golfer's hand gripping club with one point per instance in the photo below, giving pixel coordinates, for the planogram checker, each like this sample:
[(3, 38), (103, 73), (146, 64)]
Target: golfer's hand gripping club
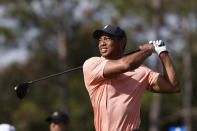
[(159, 46)]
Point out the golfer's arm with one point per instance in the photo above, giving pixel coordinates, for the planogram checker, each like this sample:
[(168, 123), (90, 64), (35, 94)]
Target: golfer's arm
[(167, 83), (126, 63)]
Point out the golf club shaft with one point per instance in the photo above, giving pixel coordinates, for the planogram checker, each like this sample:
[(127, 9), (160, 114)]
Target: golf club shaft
[(57, 74), (70, 70)]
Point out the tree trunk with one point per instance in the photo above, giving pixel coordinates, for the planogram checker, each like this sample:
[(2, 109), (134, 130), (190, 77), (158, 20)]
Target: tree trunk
[(62, 53), (154, 113), (187, 75), (155, 108)]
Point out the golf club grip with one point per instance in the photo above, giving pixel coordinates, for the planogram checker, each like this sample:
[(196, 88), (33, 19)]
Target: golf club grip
[(132, 52), (72, 69)]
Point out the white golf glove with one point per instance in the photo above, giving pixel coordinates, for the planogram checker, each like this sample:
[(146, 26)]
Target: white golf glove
[(159, 46)]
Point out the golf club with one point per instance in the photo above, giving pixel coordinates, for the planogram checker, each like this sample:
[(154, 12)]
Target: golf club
[(22, 88)]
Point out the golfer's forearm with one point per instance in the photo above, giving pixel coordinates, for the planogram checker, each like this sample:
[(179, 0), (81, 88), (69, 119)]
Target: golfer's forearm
[(135, 60), (169, 70), (126, 63)]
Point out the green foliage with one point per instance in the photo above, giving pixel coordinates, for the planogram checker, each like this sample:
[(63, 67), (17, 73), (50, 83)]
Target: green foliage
[(182, 7), (24, 13), (80, 106), (47, 24), (7, 32), (132, 7)]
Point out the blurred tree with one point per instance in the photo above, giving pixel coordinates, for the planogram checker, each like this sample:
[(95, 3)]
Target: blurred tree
[(187, 62), (156, 104), (185, 9), (51, 21)]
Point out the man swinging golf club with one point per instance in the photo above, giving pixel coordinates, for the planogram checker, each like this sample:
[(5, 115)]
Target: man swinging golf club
[(116, 83)]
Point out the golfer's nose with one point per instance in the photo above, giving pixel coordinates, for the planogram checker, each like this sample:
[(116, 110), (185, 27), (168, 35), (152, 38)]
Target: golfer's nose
[(102, 42)]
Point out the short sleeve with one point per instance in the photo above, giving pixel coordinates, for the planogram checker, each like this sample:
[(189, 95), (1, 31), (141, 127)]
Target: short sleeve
[(151, 76), (93, 70)]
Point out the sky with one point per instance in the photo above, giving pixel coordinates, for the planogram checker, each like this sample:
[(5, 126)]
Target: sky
[(14, 55), (19, 55)]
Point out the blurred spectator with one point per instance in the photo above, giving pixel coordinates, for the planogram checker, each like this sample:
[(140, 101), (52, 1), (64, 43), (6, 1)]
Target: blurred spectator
[(6, 127), (59, 121)]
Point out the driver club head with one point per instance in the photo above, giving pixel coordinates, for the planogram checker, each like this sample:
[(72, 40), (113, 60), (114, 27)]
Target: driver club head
[(21, 89)]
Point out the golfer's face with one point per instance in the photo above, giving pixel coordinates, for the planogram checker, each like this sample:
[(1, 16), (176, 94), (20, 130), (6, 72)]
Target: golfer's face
[(59, 127), (109, 47)]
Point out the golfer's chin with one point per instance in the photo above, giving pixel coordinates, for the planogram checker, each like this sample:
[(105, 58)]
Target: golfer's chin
[(107, 56), (104, 54)]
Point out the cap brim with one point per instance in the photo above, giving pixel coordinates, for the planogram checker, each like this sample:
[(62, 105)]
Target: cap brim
[(97, 34), (48, 119)]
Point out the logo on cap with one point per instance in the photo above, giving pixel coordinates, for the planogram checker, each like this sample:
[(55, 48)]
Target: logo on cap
[(55, 113), (106, 26)]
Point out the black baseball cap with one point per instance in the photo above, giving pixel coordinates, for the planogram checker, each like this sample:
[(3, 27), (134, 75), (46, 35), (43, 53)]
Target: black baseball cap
[(58, 117), (111, 30)]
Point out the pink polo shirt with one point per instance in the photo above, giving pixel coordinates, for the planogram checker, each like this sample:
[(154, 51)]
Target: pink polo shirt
[(116, 101)]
